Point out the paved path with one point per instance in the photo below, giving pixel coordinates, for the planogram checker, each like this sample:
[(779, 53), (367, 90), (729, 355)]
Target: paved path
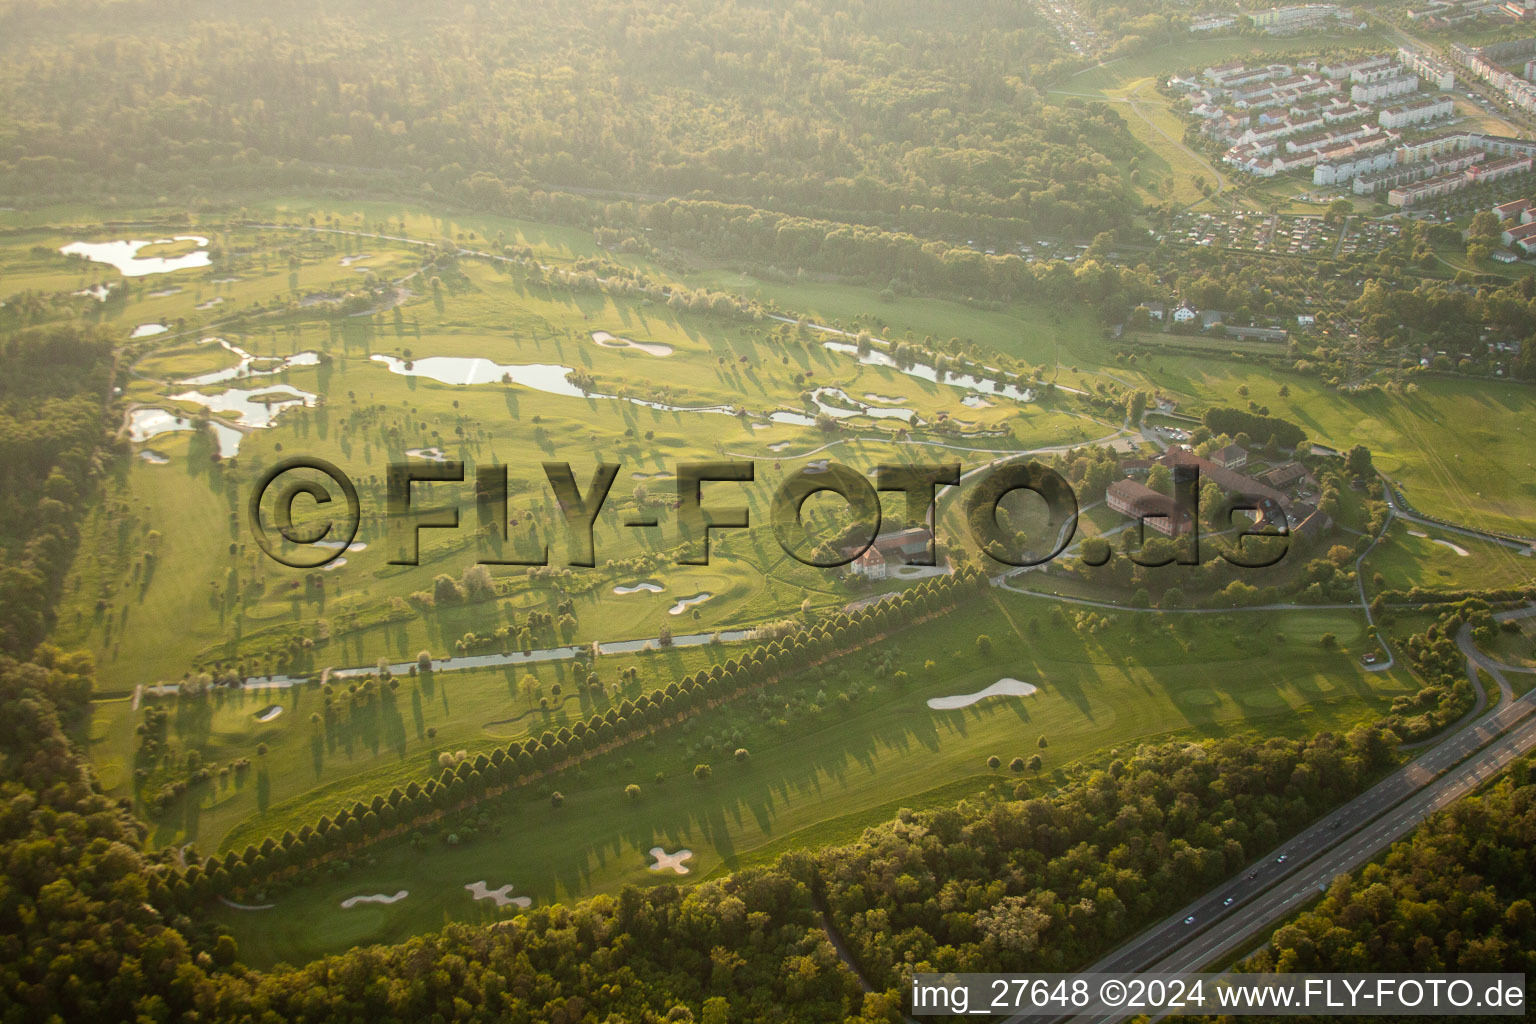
[(1389, 489)]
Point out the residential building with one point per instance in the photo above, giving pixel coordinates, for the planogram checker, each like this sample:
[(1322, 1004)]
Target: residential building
[(1405, 196), (1416, 112), (1512, 209), (905, 547), (1287, 20), (1288, 475), (1384, 89), (1518, 233), (1231, 457), (1434, 73), (1256, 333), (1138, 501), (1494, 170), (1344, 163)]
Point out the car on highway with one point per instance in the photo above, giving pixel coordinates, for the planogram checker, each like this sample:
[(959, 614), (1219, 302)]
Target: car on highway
[(1282, 858), (1190, 919), (1252, 875), (1227, 902)]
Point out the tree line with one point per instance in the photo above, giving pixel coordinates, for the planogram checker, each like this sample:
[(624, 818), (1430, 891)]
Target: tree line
[(518, 763)]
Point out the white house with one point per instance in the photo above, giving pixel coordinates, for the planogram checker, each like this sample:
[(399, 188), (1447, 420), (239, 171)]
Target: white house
[(1185, 313)]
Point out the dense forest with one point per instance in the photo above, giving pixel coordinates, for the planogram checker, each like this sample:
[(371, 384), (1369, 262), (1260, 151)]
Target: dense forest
[(1454, 896), (995, 883), (55, 383), (883, 111), (1047, 884)]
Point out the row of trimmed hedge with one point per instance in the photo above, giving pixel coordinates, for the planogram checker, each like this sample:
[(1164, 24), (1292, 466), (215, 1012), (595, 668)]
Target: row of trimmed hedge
[(520, 762)]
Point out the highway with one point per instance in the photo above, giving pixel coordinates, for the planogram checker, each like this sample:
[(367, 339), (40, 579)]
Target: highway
[(1269, 888)]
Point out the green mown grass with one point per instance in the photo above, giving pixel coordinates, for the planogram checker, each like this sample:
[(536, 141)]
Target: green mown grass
[(820, 773)]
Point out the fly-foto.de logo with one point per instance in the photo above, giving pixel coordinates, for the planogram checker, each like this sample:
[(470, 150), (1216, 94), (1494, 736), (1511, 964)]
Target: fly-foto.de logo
[(297, 520)]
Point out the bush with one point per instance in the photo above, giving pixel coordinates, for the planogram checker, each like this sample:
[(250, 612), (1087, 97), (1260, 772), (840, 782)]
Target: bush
[(1017, 764), (994, 762), (556, 798), (741, 754), (632, 792), (702, 772)]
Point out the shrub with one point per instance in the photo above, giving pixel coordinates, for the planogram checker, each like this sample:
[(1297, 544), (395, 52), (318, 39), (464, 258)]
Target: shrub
[(632, 792), (702, 772)]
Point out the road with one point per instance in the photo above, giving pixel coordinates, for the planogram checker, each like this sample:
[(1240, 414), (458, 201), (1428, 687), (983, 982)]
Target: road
[(1271, 887)]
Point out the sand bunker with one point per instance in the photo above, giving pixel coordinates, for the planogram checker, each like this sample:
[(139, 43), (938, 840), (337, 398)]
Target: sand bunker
[(269, 712), (1001, 688), (210, 303), (684, 604), (479, 891), (154, 458), (378, 897), (334, 564), (645, 586), (1463, 552), (1417, 533), (650, 348), (666, 860), (357, 545), (147, 330)]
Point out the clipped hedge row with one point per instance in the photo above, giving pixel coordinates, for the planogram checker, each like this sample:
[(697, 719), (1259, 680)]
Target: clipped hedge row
[(520, 762)]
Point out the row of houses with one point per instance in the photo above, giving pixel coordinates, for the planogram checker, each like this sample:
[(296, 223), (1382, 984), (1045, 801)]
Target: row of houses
[(1280, 117), (1434, 72), (1485, 62), (1416, 112), (1403, 173), (1335, 147), (1384, 88), (1445, 155), (1281, 21), (1518, 220), (1405, 196), (1449, 13)]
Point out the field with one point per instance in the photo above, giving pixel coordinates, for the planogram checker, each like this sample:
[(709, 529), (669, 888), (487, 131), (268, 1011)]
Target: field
[(368, 416), (821, 768), (170, 585), (1422, 556)]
